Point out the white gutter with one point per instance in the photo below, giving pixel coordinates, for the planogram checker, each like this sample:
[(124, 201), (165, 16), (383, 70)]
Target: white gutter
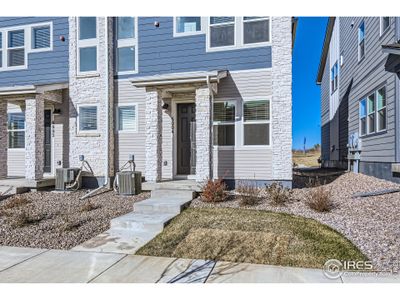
[(106, 164)]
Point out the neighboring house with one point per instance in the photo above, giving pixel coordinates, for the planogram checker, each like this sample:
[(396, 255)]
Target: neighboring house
[(189, 97), (360, 95)]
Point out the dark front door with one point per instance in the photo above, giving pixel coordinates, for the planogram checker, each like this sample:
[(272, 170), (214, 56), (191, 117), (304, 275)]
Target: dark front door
[(47, 141), (186, 138)]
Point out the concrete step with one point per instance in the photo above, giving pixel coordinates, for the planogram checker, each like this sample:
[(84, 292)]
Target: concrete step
[(142, 221), (170, 193), (161, 205)]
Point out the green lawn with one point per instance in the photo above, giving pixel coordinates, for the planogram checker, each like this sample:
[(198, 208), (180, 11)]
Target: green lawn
[(261, 237)]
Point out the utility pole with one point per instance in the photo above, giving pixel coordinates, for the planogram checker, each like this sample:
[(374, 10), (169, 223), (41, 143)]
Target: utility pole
[(304, 146)]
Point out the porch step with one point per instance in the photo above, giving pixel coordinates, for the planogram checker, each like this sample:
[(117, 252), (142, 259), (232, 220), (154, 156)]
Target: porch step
[(136, 221), (170, 205), (163, 193)]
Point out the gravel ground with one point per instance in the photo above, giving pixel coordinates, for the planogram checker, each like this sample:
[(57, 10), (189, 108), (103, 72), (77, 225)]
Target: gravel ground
[(59, 220), (371, 223)]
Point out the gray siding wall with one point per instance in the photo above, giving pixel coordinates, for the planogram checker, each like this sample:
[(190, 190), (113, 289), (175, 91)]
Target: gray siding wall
[(358, 79), (43, 67), (325, 125)]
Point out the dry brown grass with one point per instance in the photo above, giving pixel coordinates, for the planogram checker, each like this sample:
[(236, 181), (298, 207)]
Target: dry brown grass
[(89, 206), (251, 236), (214, 191), (320, 199), (248, 194), (26, 217), (277, 194), (310, 159), (16, 201)]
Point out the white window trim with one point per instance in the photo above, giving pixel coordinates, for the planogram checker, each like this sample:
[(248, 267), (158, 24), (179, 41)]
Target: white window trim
[(239, 36), (235, 122), (94, 42), (87, 132), (360, 58), (32, 50), (257, 122), (381, 31), (131, 42), (365, 117), (260, 44), (382, 108), (179, 34), (136, 105), (372, 113), (335, 84), (27, 44), (16, 110)]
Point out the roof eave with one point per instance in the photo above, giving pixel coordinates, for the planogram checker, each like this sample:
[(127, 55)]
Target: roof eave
[(325, 48)]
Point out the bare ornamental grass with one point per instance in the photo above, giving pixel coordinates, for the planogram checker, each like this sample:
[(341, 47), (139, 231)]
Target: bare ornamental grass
[(248, 194), (277, 194), (320, 199), (214, 191)]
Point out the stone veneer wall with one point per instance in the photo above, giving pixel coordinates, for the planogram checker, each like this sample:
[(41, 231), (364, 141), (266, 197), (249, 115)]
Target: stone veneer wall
[(203, 134), (91, 89), (281, 110), (34, 137), (3, 138)]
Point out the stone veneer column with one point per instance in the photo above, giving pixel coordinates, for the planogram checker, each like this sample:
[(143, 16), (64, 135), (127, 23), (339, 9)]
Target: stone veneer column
[(34, 138), (3, 138), (282, 98), (153, 136), (203, 134)]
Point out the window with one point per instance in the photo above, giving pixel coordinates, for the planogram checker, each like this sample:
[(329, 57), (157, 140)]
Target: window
[(224, 123), (127, 118), (256, 122), (371, 113), (187, 26), (363, 116), (87, 118), (126, 45), (222, 31), (384, 24), (16, 130), (255, 30), (41, 37), (334, 77), (1, 50), (381, 108), (16, 48), (361, 41), (87, 44)]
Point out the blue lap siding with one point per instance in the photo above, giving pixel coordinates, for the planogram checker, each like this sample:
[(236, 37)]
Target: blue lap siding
[(162, 53), (43, 67)]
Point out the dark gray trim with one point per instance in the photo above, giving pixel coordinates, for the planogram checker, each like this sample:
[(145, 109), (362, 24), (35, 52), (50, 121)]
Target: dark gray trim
[(325, 48), (232, 183), (382, 170)]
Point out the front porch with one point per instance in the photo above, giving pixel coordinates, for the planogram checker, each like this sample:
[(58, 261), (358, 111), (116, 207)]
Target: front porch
[(179, 125)]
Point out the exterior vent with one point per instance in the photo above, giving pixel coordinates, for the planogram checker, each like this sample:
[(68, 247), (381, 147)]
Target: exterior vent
[(65, 176), (129, 183)]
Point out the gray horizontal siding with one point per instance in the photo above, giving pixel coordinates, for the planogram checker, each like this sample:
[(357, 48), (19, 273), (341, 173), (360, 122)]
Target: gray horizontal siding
[(43, 67), (325, 129), (361, 78), (161, 53)]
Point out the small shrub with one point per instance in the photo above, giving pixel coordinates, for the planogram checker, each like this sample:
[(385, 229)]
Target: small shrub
[(248, 194), (26, 218), (277, 194), (214, 191), (16, 201), (68, 223), (320, 199), (89, 206)]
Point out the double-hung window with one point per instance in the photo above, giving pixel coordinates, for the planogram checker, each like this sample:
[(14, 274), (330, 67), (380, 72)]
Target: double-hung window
[(334, 77), (256, 30), (87, 45), (16, 130), (381, 109), (222, 31), (16, 48), (371, 113), (126, 44), (384, 23), (41, 37), (256, 122), (87, 118), (127, 117), (187, 26), (361, 41), (224, 123), (363, 116)]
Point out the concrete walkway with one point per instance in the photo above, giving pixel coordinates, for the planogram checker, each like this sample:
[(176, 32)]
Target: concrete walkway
[(129, 232), (59, 266)]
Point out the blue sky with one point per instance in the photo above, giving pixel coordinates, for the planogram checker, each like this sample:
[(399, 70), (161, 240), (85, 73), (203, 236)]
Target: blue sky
[(306, 94)]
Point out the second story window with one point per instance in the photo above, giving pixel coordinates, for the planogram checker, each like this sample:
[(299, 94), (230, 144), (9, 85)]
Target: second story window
[(361, 41), (127, 54), (384, 24), (16, 48), (87, 118), (1, 50), (334, 77), (187, 26), (222, 31), (255, 30), (87, 44), (41, 37)]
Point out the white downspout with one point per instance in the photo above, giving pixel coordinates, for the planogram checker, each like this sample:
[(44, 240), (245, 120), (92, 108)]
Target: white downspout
[(211, 127), (106, 163)]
